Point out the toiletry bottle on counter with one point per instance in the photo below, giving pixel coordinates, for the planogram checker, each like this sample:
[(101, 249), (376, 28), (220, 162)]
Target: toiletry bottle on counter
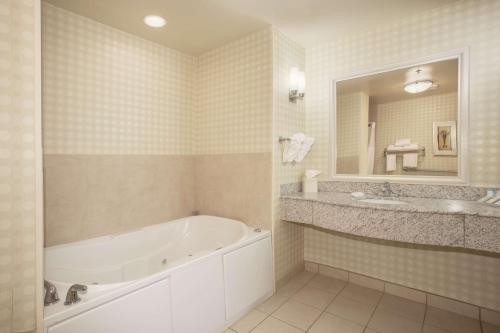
[(309, 181)]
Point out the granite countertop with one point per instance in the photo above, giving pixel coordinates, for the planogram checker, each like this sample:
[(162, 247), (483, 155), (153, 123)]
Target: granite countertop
[(426, 221), (418, 205)]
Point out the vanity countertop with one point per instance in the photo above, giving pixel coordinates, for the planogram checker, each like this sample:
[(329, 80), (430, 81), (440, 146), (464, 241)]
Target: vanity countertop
[(425, 221), (412, 204)]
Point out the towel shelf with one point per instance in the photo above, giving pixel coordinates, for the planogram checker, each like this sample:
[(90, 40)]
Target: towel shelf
[(427, 170), (420, 150)]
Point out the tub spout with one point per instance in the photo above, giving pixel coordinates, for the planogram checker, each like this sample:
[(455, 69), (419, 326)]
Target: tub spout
[(51, 296), (72, 295)]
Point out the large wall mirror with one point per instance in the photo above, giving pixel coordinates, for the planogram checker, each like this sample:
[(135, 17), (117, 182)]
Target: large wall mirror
[(405, 121)]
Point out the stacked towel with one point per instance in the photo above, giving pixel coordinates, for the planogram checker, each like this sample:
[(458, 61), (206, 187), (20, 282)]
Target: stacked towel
[(390, 163), (410, 160), (402, 142), (410, 156), (297, 148)]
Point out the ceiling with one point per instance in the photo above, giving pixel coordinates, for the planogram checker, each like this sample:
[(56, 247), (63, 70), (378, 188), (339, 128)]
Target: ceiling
[(389, 86), (196, 26)]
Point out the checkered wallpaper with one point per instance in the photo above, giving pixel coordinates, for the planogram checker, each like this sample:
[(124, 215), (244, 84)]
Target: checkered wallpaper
[(467, 277), (412, 119), (109, 92), (234, 97), (288, 118), (473, 23), (18, 117), (465, 23)]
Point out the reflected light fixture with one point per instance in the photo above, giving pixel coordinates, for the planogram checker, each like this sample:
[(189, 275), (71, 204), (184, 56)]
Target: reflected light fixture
[(155, 21), (418, 86), (297, 85)]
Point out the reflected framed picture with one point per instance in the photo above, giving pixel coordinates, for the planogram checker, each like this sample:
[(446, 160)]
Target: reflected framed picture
[(444, 141)]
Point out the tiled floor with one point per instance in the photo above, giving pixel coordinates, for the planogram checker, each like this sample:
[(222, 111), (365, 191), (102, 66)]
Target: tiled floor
[(319, 304)]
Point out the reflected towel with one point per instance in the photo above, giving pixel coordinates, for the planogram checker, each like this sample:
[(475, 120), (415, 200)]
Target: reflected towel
[(410, 160), (402, 142), (390, 163)]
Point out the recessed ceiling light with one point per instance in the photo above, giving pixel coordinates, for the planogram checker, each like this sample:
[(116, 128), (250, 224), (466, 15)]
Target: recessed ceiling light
[(155, 21)]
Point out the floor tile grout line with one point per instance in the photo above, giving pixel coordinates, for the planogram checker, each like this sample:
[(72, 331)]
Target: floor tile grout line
[(324, 310), (290, 298), (373, 313), (301, 284), (425, 315)]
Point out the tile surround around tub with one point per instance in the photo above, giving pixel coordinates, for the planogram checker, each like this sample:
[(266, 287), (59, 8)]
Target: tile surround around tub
[(235, 186), (88, 196)]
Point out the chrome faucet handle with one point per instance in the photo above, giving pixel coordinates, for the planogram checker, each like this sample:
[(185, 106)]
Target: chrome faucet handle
[(386, 189), (51, 295), (72, 295)]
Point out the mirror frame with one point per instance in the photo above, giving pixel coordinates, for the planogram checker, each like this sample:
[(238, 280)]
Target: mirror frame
[(462, 122)]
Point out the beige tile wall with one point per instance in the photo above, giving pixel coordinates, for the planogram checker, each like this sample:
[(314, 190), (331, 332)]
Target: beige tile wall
[(412, 119), (235, 186), (288, 118), (19, 118), (95, 195), (118, 112), (117, 116), (473, 23)]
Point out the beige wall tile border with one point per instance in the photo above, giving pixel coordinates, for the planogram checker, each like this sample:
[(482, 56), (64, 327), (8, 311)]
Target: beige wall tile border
[(448, 304)]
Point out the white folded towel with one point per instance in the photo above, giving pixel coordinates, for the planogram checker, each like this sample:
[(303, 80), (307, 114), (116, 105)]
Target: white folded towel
[(410, 160), (304, 149), (413, 146), (402, 142), (394, 148), (297, 148), (390, 163)]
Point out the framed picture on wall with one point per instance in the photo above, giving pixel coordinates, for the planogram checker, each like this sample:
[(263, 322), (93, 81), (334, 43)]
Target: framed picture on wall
[(444, 141)]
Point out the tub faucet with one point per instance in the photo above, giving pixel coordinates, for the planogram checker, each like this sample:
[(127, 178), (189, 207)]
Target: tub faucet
[(51, 296), (72, 295), (386, 190)]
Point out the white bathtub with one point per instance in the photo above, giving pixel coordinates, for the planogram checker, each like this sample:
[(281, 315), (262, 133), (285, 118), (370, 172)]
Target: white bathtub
[(197, 274)]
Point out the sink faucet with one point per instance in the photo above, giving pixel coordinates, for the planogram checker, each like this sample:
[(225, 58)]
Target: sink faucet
[(72, 295), (51, 296), (386, 190)]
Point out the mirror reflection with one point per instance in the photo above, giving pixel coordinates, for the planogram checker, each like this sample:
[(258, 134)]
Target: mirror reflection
[(399, 122)]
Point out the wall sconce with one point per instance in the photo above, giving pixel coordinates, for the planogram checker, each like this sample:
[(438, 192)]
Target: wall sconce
[(297, 85)]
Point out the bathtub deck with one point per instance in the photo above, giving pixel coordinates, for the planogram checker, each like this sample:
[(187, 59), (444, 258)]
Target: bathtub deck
[(319, 304)]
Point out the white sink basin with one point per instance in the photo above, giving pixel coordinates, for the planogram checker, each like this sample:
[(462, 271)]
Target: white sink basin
[(383, 201)]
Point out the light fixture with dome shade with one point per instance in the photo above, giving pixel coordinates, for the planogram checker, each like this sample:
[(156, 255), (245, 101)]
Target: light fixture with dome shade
[(418, 86)]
